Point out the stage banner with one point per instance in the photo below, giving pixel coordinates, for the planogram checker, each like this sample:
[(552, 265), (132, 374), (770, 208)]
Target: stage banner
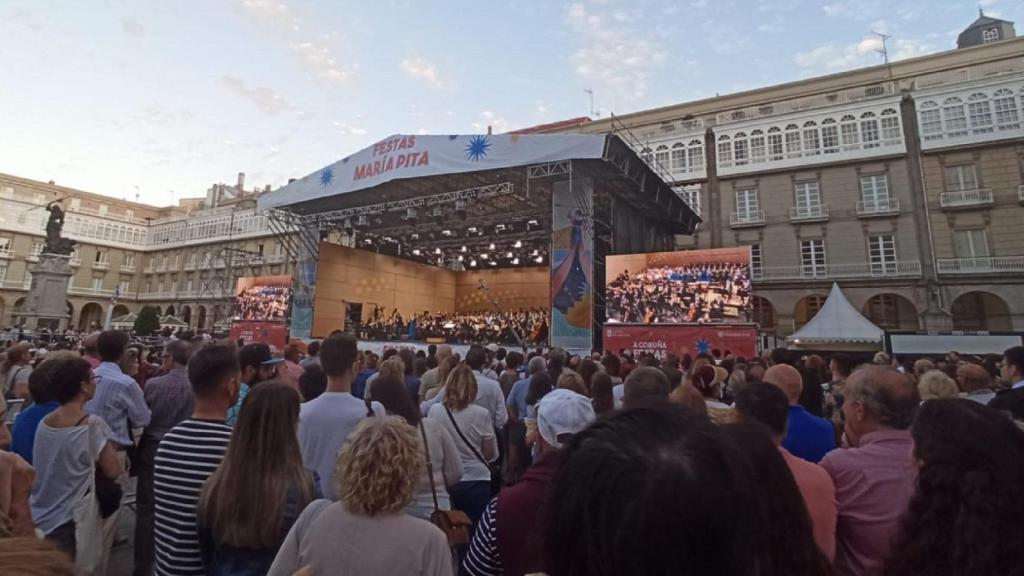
[(693, 339), (411, 156), (572, 264), (305, 285), (270, 333)]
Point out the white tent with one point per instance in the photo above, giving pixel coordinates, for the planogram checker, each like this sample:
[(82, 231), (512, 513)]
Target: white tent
[(837, 326)]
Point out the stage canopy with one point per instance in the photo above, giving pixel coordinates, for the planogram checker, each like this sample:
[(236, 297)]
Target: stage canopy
[(435, 197), (837, 326)]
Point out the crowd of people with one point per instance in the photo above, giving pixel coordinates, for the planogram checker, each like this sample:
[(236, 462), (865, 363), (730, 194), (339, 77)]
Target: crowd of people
[(526, 325), (703, 293), (263, 303), (324, 459)]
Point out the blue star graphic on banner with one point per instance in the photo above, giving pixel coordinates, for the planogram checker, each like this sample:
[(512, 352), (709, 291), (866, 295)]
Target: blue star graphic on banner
[(477, 148), (703, 346), (326, 176)]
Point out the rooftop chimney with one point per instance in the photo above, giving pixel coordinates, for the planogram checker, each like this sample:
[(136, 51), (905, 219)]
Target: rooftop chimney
[(266, 188), (241, 182), (290, 180), (52, 183)]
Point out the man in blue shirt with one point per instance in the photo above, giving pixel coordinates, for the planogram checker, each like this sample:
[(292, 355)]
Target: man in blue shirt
[(807, 436), (258, 364)]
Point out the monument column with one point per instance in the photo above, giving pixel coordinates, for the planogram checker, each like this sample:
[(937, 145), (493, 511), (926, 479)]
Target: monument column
[(46, 303)]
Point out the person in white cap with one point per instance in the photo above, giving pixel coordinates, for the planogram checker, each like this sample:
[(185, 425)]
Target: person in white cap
[(505, 541)]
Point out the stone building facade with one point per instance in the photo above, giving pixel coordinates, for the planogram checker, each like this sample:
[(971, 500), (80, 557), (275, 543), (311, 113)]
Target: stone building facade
[(903, 182)]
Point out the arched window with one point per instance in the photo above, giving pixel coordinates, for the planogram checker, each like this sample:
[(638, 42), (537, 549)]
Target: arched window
[(660, 158), (679, 158), (724, 151), (695, 150), (980, 112), (869, 130), (757, 146), (812, 142), (792, 141), (830, 135), (930, 118), (848, 131), (741, 153), (1007, 117), (775, 143), (891, 126), (953, 117)]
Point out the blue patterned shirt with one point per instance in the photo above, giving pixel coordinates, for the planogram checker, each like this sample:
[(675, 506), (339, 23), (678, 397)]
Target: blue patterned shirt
[(118, 399)]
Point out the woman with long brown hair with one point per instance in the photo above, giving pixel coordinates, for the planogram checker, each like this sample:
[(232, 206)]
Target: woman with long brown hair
[(252, 500), (16, 370)]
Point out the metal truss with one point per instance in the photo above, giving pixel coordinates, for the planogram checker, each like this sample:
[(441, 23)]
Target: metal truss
[(549, 169), (489, 191)]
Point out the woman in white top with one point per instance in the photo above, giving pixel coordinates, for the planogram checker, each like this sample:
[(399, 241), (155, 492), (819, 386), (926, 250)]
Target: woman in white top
[(68, 447), (472, 429), (444, 459)]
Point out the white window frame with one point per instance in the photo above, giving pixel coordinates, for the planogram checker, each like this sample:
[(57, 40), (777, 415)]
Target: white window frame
[(1005, 106), (97, 284), (882, 254), (954, 117), (813, 259), (807, 196), (747, 203), (812, 138), (757, 146), (890, 122), (756, 261), (955, 177), (874, 192), (979, 112), (678, 158), (974, 239), (125, 286), (830, 136), (869, 132), (989, 35)]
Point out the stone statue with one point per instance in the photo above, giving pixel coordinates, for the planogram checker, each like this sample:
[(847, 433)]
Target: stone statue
[(55, 244)]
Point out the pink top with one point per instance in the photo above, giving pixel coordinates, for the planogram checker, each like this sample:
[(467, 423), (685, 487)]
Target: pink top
[(820, 497), (874, 483)]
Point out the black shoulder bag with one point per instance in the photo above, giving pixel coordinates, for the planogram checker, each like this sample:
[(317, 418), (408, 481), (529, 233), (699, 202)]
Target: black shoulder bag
[(496, 482)]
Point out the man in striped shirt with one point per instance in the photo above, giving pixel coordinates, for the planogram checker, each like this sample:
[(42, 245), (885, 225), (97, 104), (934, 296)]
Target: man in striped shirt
[(188, 454)]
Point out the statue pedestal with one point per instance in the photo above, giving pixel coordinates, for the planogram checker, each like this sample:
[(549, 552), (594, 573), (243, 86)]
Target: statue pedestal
[(46, 303)]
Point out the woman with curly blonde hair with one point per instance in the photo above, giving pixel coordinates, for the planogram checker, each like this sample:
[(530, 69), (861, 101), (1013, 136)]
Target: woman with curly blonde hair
[(376, 476)]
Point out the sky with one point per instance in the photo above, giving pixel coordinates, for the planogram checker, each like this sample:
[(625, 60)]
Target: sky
[(159, 100)]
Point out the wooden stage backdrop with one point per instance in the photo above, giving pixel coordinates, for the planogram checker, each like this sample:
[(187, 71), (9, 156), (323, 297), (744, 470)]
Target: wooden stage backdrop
[(347, 275)]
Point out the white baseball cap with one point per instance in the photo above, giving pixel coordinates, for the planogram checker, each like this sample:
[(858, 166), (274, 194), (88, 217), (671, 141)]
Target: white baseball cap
[(563, 411)]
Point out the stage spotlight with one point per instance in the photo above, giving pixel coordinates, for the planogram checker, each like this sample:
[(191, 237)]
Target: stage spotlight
[(362, 220), (472, 263), (460, 209), (491, 246), (518, 244), (410, 213), (515, 261), (509, 255)]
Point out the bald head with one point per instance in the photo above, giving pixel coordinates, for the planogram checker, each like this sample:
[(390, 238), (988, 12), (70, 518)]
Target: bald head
[(972, 377), (788, 379), (889, 398), (644, 384)]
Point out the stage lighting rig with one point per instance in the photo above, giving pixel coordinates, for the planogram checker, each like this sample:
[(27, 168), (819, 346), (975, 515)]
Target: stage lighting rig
[(460, 209)]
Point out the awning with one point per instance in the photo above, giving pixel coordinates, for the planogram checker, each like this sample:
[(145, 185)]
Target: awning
[(172, 322)]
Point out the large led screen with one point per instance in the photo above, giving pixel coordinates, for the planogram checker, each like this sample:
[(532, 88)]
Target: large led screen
[(262, 298), (684, 287)]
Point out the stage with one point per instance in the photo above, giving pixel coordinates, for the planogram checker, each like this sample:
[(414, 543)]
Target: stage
[(466, 224)]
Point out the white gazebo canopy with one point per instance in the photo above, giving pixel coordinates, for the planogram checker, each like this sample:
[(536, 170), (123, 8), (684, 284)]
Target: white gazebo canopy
[(837, 326)]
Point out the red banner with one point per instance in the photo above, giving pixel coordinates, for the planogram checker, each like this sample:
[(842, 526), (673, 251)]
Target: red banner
[(679, 340), (270, 333)]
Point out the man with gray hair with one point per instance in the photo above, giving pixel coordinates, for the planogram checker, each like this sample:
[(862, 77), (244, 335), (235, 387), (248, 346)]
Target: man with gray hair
[(874, 477)]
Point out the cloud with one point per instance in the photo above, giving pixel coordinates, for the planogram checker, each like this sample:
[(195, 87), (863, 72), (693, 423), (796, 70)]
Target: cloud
[(132, 27), (265, 99), (614, 55), (314, 49), (496, 123), (346, 130), (420, 69), (833, 58)]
